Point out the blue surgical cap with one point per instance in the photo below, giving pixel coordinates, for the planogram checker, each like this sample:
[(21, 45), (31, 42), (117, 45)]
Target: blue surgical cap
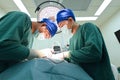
[(64, 14), (50, 25)]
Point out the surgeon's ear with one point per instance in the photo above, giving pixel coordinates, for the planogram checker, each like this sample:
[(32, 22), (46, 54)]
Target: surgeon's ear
[(43, 24), (70, 19)]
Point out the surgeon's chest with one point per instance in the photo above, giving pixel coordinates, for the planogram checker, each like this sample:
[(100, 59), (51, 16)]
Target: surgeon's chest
[(77, 42)]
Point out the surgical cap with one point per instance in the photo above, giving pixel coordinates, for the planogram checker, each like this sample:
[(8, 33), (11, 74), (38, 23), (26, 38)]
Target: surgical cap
[(50, 25), (64, 14)]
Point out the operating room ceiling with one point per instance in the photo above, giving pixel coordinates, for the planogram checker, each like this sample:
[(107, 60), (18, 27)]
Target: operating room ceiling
[(81, 8), (76, 5)]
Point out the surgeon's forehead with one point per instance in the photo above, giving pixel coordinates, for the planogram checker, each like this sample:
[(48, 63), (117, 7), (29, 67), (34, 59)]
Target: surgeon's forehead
[(62, 22), (42, 28)]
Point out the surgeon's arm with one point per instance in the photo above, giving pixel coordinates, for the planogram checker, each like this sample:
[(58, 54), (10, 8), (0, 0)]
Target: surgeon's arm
[(13, 51)]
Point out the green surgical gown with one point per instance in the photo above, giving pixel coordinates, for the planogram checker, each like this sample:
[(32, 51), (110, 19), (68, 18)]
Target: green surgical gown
[(87, 49), (15, 29)]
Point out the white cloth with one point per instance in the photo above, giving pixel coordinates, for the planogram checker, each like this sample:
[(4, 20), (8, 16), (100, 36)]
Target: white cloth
[(115, 72)]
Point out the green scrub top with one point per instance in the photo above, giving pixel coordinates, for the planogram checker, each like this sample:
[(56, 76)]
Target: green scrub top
[(15, 30), (87, 49)]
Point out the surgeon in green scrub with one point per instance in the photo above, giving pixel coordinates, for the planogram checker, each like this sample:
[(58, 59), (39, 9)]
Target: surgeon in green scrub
[(87, 47), (16, 32)]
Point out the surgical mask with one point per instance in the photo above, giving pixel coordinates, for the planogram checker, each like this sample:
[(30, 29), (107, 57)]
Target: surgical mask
[(38, 35), (67, 31), (65, 35)]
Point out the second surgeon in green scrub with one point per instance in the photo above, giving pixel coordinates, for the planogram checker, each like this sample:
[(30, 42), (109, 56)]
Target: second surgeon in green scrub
[(87, 47), (16, 29)]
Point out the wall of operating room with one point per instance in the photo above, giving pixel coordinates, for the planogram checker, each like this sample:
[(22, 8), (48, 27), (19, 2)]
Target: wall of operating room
[(1, 13), (111, 40)]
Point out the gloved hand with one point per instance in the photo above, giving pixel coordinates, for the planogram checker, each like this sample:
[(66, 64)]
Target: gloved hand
[(60, 56), (45, 53), (40, 53)]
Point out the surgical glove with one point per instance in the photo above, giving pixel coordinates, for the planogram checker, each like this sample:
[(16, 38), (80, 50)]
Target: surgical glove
[(61, 56), (58, 56), (40, 53), (45, 53)]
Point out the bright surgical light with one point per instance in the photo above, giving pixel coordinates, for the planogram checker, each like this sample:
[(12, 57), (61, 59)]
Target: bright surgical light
[(102, 7), (85, 18), (47, 12), (21, 6), (34, 19)]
